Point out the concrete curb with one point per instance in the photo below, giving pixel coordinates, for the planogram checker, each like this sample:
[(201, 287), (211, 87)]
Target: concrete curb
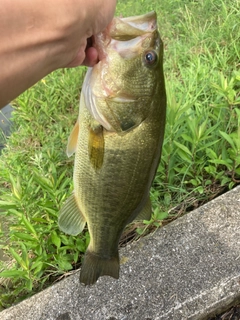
[(189, 269)]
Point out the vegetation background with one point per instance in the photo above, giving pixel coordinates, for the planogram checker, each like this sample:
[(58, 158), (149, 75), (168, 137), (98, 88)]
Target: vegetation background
[(201, 151)]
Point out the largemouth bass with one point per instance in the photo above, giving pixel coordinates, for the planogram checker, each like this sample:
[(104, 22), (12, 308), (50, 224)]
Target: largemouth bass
[(117, 139)]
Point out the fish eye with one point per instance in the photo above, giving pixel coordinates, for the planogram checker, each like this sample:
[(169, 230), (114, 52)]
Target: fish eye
[(150, 58)]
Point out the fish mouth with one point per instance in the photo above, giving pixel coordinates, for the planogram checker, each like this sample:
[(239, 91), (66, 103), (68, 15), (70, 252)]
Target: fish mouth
[(125, 36), (128, 28)]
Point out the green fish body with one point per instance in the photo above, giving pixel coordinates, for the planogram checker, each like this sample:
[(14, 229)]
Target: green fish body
[(117, 141)]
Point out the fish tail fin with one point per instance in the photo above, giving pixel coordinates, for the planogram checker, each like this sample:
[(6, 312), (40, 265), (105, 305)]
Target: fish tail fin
[(95, 266)]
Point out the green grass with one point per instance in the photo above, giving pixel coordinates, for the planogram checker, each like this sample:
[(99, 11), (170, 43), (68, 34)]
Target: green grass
[(201, 151)]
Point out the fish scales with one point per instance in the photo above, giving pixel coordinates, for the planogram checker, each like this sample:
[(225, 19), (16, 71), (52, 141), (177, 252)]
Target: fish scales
[(117, 139)]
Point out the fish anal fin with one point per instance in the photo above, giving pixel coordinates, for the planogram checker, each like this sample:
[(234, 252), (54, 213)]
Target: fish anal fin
[(96, 145), (72, 140), (95, 266), (71, 220), (146, 212)]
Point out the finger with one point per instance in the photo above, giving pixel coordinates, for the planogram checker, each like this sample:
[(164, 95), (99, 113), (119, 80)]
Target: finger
[(91, 57)]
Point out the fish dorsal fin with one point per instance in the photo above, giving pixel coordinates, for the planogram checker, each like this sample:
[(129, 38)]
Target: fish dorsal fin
[(96, 145), (146, 212), (71, 220), (72, 140)]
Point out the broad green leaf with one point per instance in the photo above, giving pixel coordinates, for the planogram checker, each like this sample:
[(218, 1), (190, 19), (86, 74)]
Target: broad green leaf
[(38, 250), (75, 257), (29, 284), (187, 138), (161, 215), (64, 265), (37, 267), (55, 239), (16, 187), (184, 157), (65, 248), (227, 163), (194, 182), (81, 245), (24, 236), (45, 183), (25, 255), (207, 145), (183, 148), (200, 189), (29, 226), (225, 180), (202, 129), (140, 231), (16, 213), (228, 138), (12, 274), (18, 258), (5, 205), (211, 154)]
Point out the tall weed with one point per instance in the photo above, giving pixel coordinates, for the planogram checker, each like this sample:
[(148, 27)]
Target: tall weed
[(201, 150)]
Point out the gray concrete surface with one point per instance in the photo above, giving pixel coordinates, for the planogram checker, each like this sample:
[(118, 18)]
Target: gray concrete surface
[(189, 269), (5, 131), (5, 124)]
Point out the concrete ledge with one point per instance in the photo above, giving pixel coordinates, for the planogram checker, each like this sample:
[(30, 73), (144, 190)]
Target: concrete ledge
[(189, 269)]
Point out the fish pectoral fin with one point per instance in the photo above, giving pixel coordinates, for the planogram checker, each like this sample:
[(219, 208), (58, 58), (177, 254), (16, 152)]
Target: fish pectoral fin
[(96, 145), (95, 266), (146, 212), (71, 220), (72, 140)]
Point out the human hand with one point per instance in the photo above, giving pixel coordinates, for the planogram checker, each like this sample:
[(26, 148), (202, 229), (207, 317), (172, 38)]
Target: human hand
[(40, 36), (85, 19)]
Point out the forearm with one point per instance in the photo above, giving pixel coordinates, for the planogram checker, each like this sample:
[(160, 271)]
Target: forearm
[(25, 56), (40, 36)]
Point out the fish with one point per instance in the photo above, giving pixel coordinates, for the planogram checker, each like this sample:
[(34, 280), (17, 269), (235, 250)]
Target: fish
[(117, 140)]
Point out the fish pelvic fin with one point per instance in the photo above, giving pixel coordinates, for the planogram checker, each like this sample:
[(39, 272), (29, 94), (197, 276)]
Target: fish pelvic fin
[(96, 145), (95, 266), (72, 140), (71, 220)]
